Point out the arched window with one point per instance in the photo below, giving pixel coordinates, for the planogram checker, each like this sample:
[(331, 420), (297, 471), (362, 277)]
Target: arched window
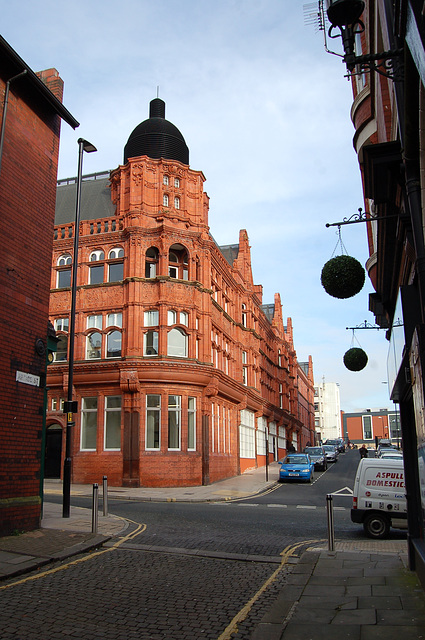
[(96, 255), (151, 261), (177, 182), (113, 344), (165, 180), (184, 318), (117, 252), (165, 200), (64, 260), (177, 343), (244, 316), (177, 203), (64, 272), (94, 346), (178, 262)]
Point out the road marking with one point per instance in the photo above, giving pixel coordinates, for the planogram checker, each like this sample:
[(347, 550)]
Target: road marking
[(280, 506), (306, 506), (249, 504), (140, 529), (243, 613)]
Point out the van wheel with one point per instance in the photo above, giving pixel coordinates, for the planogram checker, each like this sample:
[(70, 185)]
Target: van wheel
[(376, 526)]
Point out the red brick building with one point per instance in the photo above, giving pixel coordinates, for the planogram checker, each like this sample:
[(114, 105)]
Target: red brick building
[(181, 373), (31, 111)]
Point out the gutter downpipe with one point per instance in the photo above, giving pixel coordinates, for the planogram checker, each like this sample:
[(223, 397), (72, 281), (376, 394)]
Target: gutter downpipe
[(6, 100)]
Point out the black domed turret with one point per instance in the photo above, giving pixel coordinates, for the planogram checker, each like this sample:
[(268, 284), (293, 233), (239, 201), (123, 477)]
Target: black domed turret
[(156, 137)]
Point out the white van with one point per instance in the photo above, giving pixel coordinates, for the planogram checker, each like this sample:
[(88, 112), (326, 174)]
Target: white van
[(379, 496)]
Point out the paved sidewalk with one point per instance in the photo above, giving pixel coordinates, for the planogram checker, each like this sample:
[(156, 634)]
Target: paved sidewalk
[(361, 591)]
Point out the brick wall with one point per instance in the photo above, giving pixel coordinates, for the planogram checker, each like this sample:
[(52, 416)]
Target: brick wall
[(27, 202)]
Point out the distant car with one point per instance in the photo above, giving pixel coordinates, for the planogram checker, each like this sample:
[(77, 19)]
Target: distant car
[(384, 445), (338, 443), (318, 456), (297, 466), (392, 454), (331, 452)]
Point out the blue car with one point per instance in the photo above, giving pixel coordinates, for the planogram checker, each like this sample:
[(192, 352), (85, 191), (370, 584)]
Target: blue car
[(297, 466)]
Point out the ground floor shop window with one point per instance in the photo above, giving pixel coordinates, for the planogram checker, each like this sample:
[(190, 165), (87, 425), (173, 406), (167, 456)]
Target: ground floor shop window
[(153, 421), (174, 421), (191, 424), (247, 434), (88, 424), (113, 423)]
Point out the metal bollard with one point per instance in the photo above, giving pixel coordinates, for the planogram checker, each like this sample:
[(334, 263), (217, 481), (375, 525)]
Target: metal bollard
[(330, 513), (95, 507), (105, 495)]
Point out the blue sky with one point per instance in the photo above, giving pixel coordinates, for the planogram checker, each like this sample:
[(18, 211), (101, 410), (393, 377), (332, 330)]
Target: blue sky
[(265, 112)]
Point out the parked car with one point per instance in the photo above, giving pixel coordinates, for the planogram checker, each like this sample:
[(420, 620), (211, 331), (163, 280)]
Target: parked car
[(392, 454), (318, 456), (297, 466), (331, 452), (384, 445), (338, 443)]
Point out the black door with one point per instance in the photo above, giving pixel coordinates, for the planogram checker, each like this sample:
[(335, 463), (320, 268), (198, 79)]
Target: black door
[(53, 451)]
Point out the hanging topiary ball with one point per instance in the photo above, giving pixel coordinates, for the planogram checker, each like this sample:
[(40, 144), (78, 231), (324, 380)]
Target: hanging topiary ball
[(355, 359), (343, 277)]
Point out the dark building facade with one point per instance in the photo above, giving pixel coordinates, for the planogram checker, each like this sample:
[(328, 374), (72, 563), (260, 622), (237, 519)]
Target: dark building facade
[(387, 66)]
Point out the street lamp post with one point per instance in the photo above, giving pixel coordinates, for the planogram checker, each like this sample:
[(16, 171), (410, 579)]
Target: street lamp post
[(70, 406)]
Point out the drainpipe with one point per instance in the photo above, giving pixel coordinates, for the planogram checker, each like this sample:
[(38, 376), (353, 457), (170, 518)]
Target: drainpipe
[(6, 99)]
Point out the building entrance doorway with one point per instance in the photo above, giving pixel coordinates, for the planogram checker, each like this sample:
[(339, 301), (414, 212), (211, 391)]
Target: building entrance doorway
[(53, 458)]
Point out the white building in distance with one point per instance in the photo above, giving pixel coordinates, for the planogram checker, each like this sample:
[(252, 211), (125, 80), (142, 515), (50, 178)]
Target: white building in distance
[(327, 411)]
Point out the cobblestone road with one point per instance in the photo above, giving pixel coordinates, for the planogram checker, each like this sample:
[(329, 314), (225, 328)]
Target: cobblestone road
[(124, 595)]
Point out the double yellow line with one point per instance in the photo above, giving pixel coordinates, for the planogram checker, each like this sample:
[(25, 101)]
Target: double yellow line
[(140, 528), (243, 613)]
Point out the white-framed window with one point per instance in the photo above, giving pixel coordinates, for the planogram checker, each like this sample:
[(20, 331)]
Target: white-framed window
[(150, 343), (151, 262), (261, 435), (94, 346), (244, 316), (96, 255), (165, 200), (171, 317), (247, 434), (177, 343), (88, 424), (177, 202), (174, 422), (165, 180), (367, 427), (116, 269), (177, 182), (94, 322), (61, 353), (245, 375), (184, 318), (191, 423), (114, 320), (281, 437), (64, 272), (116, 252), (113, 344), (151, 318), (61, 324), (112, 431), (153, 422)]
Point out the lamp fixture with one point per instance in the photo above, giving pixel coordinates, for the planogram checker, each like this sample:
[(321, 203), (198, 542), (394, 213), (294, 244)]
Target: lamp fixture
[(344, 19)]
